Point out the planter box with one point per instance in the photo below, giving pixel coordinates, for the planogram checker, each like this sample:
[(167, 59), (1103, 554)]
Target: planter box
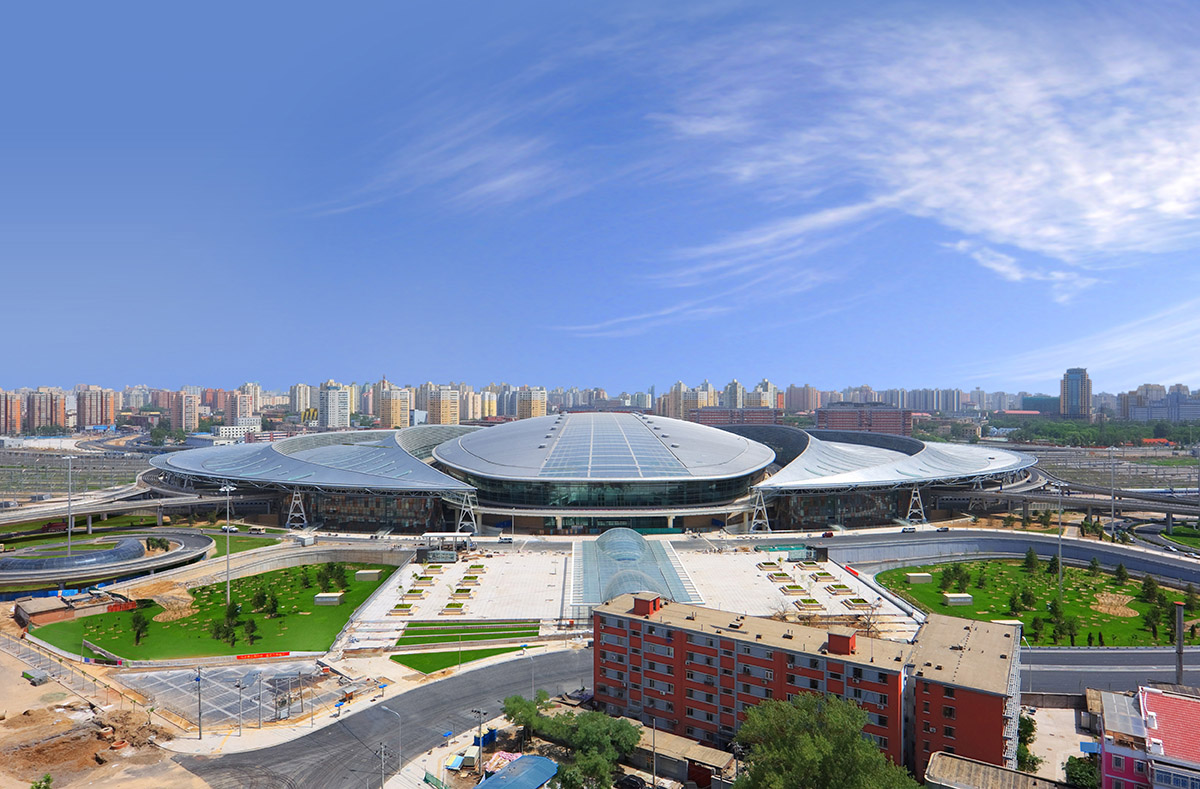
[(453, 611), (469, 580), (434, 569), (793, 590), (398, 611), (857, 604), (838, 589), (461, 594), (768, 565), (414, 594), (823, 577), (424, 581), (809, 604), (777, 577), (477, 568)]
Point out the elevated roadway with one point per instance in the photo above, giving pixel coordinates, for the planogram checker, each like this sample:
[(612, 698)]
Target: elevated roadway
[(192, 546)]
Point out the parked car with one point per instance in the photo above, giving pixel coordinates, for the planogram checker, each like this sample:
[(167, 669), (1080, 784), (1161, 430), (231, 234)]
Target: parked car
[(943, 528), (909, 530), (827, 534), (630, 782), (504, 538), (229, 527)]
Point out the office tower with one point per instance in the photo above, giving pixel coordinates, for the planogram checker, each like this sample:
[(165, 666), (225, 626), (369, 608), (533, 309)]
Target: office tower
[(185, 412), (531, 402), (394, 407), (1075, 394), (333, 406), (10, 414), (443, 406), (95, 407), (238, 406)]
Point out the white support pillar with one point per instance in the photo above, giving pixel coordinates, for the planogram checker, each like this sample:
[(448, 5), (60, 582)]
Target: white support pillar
[(296, 518), (760, 522), (466, 503), (916, 508)]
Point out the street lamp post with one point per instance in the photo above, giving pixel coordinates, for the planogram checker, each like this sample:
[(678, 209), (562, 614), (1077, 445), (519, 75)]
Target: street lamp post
[(70, 517), (532, 692), (479, 736), (399, 738), (1112, 488), (1060, 541), (227, 489), (239, 687), (199, 708)]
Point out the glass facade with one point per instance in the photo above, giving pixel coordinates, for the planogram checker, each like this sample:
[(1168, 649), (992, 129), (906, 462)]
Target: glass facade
[(361, 512), (847, 509), (596, 494)]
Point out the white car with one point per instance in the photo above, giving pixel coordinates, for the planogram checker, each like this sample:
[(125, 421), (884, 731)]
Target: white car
[(229, 527)]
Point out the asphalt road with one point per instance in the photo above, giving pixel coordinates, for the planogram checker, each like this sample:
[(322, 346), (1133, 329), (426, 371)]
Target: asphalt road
[(1074, 670), (346, 754)]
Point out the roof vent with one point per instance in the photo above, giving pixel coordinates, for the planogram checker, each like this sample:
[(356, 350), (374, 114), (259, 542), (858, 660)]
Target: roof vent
[(788, 634), (675, 446), (758, 636), (937, 667), (541, 446)]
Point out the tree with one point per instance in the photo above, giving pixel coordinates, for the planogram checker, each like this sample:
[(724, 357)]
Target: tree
[(44, 782), (1028, 599), (1026, 734), (1009, 521), (1190, 600), (1122, 575), (251, 630), (272, 607), (1070, 628), (1052, 566), (813, 741), (1091, 639), (260, 599), (1150, 589), (1014, 602), (1082, 772), (1031, 560), (141, 626), (1094, 566), (1045, 518), (981, 582)]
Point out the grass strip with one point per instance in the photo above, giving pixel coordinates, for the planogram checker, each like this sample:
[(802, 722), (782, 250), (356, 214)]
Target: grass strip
[(418, 640), (429, 662)]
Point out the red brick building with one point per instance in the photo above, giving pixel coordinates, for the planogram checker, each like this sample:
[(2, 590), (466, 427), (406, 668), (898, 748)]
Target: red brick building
[(868, 417), (735, 416), (695, 671)]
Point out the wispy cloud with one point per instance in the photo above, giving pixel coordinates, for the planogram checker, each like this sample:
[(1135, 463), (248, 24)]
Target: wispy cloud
[(1074, 146), (1157, 347), (1065, 285)]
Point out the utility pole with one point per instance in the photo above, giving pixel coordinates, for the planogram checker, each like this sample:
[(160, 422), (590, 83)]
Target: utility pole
[(239, 686), (399, 737), (479, 753), (1060, 541), (260, 701), (382, 756), (199, 708), (1112, 487)]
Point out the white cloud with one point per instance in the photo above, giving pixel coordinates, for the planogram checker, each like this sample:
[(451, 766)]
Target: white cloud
[(1075, 145), (1065, 285)]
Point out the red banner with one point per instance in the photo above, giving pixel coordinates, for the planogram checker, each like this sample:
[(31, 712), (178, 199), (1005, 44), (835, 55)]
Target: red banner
[(263, 655)]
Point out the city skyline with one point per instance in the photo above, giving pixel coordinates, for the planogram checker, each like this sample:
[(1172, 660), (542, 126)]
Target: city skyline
[(918, 195)]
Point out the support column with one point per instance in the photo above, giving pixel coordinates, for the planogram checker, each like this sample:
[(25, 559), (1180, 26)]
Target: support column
[(104, 516), (89, 524), (1025, 510), (159, 516), (1170, 523), (558, 524)]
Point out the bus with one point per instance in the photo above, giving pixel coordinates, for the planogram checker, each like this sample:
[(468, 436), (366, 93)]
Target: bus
[(258, 529)]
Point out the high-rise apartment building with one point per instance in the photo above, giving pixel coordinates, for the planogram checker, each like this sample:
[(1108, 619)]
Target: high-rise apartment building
[(45, 408), (802, 398), (443, 406), (531, 402), (185, 412), (487, 404), (333, 406), (1075, 394), (255, 391), (95, 406), (300, 398), (238, 406), (734, 395), (866, 417), (10, 414), (394, 406)]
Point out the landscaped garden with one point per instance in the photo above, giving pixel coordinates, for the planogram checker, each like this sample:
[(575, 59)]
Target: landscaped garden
[(277, 614), (1098, 608), (429, 662), (418, 633)]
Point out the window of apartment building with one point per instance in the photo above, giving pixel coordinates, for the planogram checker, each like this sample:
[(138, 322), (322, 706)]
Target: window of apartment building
[(924, 687), (925, 746), (745, 688), (814, 684), (948, 692), (856, 673), (745, 650), (882, 677), (1139, 767), (727, 672), (1118, 762), (948, 731), (835, 675), (727, 652), (1118, 784), (925, 706), (768, 674), (948, 749), (948, 713), (814, 663)]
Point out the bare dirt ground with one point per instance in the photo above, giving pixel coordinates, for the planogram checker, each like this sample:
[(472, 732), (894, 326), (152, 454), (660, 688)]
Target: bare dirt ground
[(1114, 604), (174, 597), (48, 730)]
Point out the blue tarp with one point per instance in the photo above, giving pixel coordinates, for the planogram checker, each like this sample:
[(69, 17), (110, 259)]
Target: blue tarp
[(528, 772)]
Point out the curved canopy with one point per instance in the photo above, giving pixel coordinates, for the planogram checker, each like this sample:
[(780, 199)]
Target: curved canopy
[(877, 461), (621, 561), (351, 460), (606, 447)]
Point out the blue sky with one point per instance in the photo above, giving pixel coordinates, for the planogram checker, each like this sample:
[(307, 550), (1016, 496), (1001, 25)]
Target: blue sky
[(903, 195)]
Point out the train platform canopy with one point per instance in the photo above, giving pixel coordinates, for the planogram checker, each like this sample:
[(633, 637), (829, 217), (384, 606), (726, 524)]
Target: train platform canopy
[(357, 460), (867, 460)]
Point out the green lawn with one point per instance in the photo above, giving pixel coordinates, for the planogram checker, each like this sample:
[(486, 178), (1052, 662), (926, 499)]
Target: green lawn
[(1080, 588), (454, 638), (237, 543), (301, 626), (429, 662), (471, 625), (1184, 535), (1184, 462), (81, 522)]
